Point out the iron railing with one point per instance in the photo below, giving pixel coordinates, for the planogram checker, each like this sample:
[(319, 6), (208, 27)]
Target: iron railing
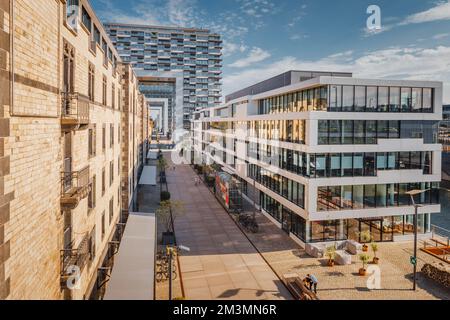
[(74, 258), (75, 108), (73, 181)]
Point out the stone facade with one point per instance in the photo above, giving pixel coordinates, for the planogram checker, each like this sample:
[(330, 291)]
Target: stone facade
[(5, 101), (62, 144)]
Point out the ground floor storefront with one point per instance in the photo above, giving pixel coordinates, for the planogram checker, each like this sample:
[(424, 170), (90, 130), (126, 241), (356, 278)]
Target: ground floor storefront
[(381, 229)]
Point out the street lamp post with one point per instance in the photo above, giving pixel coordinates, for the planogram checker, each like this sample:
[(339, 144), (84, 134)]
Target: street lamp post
[(413, 193)]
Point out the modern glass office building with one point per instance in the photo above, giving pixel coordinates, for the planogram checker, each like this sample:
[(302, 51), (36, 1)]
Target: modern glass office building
[(330, 155), (195, 53)]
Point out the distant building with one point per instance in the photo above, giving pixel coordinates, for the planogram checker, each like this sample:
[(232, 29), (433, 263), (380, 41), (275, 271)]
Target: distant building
[(166, 55)]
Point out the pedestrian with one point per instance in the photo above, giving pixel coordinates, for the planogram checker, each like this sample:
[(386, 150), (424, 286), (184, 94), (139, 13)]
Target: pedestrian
[(312, 283)]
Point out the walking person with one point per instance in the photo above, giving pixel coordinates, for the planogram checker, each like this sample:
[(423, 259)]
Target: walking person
[(312, 283)]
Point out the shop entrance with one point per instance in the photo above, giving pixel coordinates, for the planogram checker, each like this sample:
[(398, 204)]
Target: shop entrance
[(380, 229)]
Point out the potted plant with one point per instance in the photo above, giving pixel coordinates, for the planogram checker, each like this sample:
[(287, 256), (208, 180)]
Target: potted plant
[(365, 238), (375, 250), (166, 214), (364, 258), (331, 254)]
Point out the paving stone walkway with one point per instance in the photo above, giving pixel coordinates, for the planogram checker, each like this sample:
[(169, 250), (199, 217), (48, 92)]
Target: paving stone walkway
[(222, 263)]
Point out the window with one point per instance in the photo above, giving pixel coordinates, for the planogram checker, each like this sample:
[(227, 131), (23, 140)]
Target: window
[(428, 100), (103, 182), (335, 132), (97, 36), (104, 90), (360, 99), (394, 99), (72, 11), (104, 137), (113, 96), (347, 98), (92, 193), (92, 245), (416, 100), (105, 53), (111, 173), (103, 225), (92, 141), (406, 100), (111, 135), (91, 82), (111, 210), (335, 98), (383, 99), (372, 104), (86, 20), (347, 132), (69, 67)]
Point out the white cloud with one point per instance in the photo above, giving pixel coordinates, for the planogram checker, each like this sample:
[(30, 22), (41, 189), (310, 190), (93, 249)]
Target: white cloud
[(230, 48), (440, 12), (441, 36), (184, 13), (392, 63), (257, 8), (255, 55)]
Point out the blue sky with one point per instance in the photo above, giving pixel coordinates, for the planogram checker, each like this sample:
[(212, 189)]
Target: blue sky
[(263, 38)]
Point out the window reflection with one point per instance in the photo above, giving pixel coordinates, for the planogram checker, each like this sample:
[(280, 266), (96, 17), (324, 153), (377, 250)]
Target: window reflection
[(337, 198)]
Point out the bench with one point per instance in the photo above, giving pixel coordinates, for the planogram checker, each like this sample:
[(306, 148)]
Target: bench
[(298, 289), (342, 258), (315, 250)]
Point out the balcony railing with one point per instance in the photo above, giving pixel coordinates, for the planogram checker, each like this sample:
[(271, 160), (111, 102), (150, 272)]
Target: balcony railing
[(74, 258), (75, 109), (74, 186)]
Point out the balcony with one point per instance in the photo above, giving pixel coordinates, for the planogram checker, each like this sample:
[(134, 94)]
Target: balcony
[(71, 259), (74, 186), (74, 111)]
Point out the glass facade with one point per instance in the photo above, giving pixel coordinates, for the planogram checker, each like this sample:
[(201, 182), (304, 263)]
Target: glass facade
[(331, 165), (291, 222), (280, 130), (341, 98), (290, 190), (338, 198), (340, 132)]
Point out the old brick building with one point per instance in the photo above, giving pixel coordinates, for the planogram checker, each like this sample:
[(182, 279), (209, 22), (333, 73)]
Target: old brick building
[(73, 132)]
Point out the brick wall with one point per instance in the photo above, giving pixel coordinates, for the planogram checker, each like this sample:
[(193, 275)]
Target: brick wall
[(5, 100)]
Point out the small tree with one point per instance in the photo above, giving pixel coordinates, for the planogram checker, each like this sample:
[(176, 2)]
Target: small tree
[(162, 164), (365, 236), (375, 250), (331, 254), (364, 258), (167, 213)]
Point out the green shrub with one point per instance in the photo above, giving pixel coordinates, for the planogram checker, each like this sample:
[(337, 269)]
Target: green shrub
[(165, 195)]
